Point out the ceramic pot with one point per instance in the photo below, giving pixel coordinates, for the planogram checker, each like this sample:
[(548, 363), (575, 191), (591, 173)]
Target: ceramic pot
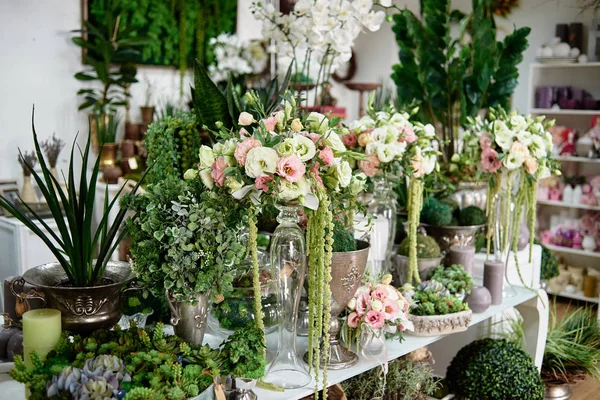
[(588, 243), (108, 155), (479, 300), (27, 191), (132, 131), (400, 268), (83, 309), (189, 319), (147, 115)]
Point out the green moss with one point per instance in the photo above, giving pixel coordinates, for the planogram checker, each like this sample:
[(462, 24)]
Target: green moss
[(343, 238), (472, 215), (495, 370), (453, 205), (436, 213), (432, 303), (427, 247)]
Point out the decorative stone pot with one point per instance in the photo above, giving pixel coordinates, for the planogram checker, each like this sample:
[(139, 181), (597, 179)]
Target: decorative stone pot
[(400, 268), (435, 325), (189, 319), (470, 194), (147, 114), (83, 309)]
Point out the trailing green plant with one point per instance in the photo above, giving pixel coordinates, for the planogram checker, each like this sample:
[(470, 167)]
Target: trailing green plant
[(426, 302), (173, 144), (472, 215), (427, 247), (185, 239), (572, 347), (549, 264), (82, 250), (436, 213), (450, 78), (405, 380), (494, 369), (454, 278)]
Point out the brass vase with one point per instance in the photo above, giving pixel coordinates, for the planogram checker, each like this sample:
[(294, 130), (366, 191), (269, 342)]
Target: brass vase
[(347, 271), (101, 125), (108, 155)]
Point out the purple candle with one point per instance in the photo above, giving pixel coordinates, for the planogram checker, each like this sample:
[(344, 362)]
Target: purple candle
[(462, 255), (493, 279)]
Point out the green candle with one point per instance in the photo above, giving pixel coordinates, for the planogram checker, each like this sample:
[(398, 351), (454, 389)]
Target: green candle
[(41, 332)]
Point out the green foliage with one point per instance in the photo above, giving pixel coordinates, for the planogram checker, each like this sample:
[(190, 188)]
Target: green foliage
[(449, 78), (405, 380), (81, 250), (432, 303), (549, 265), (495, 370), (242, 355), (343, 238), (185, 239), (427, 247), (572, 347), (436, 213), (472, 215), (173, 144), (454, 278)]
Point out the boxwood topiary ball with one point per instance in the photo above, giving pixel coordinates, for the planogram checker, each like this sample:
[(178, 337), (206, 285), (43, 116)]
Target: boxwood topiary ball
[(471, 215), (436, 213), (494, 369)]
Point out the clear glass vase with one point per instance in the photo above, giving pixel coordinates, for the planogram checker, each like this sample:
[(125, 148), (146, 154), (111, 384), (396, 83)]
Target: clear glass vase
[(504, 231), (383, 211), (288, 262)]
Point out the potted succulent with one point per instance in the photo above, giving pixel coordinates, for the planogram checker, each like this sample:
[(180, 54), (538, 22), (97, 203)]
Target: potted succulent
[(429, 256), (186, 245), (83, 284)]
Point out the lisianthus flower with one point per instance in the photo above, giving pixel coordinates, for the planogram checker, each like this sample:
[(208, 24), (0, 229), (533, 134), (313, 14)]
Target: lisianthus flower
[(332, 139), (353, 320), (270, 123), (291, 168), (516, 156), (304, 147), (289, 191), (296, 125), (243, 148), (531, 165), (376, 305), (390, 309), (315, 173), (364, 139), (261, 161), (218, 171), (485, 140), (407, 134), (326, 155), (489, 160), (371, 166), (350, 139), (376, 319), (362, 303), (245, 119), (207, 156), (380, 293), (261, 183), (352, 304)]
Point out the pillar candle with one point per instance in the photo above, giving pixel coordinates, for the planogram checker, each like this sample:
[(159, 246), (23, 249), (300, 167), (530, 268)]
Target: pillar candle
[(462, 255), (41, 332), (589, 286), (493, 279)]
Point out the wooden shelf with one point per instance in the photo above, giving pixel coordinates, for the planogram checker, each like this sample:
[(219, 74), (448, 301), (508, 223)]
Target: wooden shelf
[(575, 296), (579, 159), (568, 250), (567, 205), (550, 111), (573, 65)]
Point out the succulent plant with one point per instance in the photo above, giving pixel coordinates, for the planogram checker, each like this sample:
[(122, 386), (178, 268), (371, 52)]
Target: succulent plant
[(436, 213), (96, 388), (454, 278), (107, 366), (471, 215), (427, 247), (68, 380), (434, 287)]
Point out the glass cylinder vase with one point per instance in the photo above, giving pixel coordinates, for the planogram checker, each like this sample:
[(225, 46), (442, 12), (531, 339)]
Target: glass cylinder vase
[(504, 227), (288, 261), (383, 211)]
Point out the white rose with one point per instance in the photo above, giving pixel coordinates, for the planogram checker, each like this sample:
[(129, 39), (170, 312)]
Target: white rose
[(261, 161), (289, 191), (305, 148), (317, 122), (333, 140), (207, 157), (386, 153), (206, 179), (376, 305), (352, 304), (245, 119), (343, 173)]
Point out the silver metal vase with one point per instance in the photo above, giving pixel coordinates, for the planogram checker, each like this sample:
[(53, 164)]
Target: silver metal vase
[(189, 319)]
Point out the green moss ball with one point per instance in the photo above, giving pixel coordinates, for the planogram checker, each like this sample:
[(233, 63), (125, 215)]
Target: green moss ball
[(427, 247), (343, 239), (436, 213), (471, 215)]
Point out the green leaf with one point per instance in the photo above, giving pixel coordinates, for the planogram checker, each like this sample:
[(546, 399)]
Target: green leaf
[(210, 104)]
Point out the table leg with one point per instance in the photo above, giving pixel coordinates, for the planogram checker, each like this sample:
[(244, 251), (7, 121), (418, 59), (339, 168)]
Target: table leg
[(535, 313)]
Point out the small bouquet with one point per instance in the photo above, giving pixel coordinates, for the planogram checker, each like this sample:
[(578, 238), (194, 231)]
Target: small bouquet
[(376, 310)]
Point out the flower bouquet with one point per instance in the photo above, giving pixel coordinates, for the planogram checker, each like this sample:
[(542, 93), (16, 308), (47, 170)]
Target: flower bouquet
[(374, 311)]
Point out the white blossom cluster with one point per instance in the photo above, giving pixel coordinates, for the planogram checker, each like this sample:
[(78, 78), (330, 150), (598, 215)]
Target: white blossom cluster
[(236, 56)]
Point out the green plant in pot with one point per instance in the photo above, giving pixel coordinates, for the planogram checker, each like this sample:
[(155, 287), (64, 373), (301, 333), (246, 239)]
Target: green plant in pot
[(186, 245), (429, 256), (83, 284)]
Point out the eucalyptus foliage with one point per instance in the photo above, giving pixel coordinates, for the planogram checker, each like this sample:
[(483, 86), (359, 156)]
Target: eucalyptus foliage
[(451, 78), (186, 239)]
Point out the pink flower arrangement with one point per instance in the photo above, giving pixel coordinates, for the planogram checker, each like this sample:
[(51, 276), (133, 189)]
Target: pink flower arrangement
[(291, 168), (370, 167), (489, 160)]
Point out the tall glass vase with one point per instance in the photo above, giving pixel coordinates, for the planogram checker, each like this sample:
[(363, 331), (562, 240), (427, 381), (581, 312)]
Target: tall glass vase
[(288, 261), (383, 210), (504, 231)]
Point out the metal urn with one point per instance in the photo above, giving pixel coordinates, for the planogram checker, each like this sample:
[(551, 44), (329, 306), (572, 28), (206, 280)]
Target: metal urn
[(189, 319)]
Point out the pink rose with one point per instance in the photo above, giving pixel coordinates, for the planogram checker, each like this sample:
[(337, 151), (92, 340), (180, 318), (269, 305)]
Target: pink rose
[(270, 123), (380, 293), (485, 141), (376, 319), (407, 134), (291, 168), (261, 183), (370, 167), (390, 309), (350, 139), (362, 303), (326, 155), (315, 173), (218, 171), (313, 136), (243, 148), (489, 160), (353, 320)]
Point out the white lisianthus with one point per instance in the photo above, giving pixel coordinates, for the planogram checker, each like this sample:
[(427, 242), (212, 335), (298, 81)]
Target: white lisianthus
[(386, 153), (429, 163), (229, 148), (537, 128), (549, 144), (261, 161), (280, 117), (317, 122), (357, 184), (289, 191), (538, 147), (296, 125), (207, 157), (399, 147), (518, 123), (504, 136), (206, 179), (304, 147), (287, 147), (352, 304), (516, 157), (379, 135), (333, 140), (245, 119), (524, 137), (343, 173), (190, 174), (429, 131), (232, 184), (361, 290), (399, 119), (543, 172), (372, 147), (376, 305)]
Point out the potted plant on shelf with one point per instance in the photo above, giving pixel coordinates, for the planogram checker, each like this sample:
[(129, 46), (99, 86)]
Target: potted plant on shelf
[(27, 159), (429, 256), (185, 245), (52, 148), (147, 110), (83, 284)]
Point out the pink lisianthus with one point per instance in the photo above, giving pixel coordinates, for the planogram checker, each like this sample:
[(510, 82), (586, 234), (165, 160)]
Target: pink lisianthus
[(243, 148), (489, 160), (353, 320), (326, 155), (531, 165), (380, 293), (218, 171), (313, 136), (270, 123), (350, 140), (261, 183), (390, 309), (362, 303), (244, 133), (407, 134), (291, 168), (315, 173), (376, 319), (370, 167), (485, 141), (416, 163)]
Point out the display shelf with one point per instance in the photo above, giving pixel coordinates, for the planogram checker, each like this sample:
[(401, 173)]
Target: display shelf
[(394, 350), (584, 160), (568, 250), (574, 296), (568, 205), (562, 66), (550, 111)]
